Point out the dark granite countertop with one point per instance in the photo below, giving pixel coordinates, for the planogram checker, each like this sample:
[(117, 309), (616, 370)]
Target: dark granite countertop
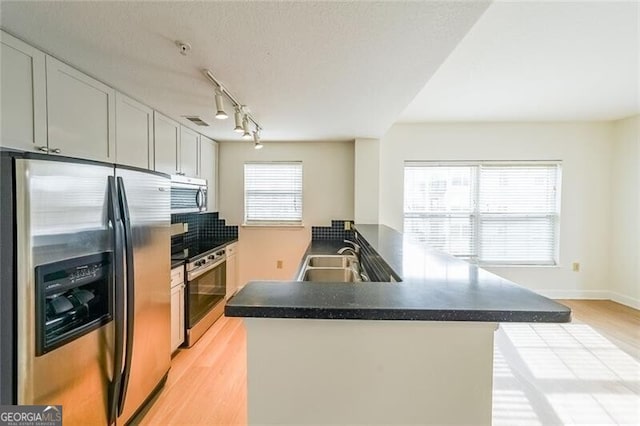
[(435, 287), (176, 263)]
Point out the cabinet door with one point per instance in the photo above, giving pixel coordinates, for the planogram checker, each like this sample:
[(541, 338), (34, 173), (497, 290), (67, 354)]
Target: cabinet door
[(189, 142), (80, 114), (181, 318), (23, 109), (231, 276), (177, 316), (134, 140), (166, 144), (209, 170)]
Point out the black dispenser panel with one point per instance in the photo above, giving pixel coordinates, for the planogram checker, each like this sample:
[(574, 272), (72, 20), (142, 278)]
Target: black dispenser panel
[(73, 297)]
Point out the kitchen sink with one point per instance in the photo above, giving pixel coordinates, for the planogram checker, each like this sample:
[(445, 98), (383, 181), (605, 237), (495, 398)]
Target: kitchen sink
[(343, 275), (330, 261)]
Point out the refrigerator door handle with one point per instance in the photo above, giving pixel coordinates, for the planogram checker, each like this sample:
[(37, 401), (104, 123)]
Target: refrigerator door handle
[(118, 233), (130, 293)]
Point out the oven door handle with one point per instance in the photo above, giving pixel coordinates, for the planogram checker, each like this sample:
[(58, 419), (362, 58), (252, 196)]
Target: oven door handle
[(195, 274)]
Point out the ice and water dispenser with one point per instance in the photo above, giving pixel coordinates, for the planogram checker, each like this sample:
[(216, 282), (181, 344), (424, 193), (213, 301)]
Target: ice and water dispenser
[(73, 297)]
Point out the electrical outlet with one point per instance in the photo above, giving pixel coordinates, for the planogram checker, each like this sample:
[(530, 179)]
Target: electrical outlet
[(279, 264), (347, 225), (575, 266)]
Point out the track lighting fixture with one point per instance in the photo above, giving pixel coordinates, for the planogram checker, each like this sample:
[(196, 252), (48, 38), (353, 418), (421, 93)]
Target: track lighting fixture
[(256, 139), (220, 114), (241, 114), (245, 126), (237, 115)]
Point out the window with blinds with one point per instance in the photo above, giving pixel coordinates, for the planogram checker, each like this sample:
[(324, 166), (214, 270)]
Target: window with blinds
[(273, 193), (493, 213)]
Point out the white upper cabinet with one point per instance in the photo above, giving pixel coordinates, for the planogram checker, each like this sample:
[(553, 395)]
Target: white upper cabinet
[(23, 109), (189, 142), (167, 144), (80, 113), (134, 133), (208, 170)]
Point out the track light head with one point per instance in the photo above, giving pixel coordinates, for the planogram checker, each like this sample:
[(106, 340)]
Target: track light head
[(238, 119), (245, 127), (241, 114), (256, 139), (220, 114)]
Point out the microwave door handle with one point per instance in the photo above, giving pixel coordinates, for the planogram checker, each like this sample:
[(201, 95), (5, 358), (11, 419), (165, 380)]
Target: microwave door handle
[(200, 199), (118, 311), (130, 294)]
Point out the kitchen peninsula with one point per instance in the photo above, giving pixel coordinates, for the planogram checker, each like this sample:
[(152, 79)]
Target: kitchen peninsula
[(415, 351)]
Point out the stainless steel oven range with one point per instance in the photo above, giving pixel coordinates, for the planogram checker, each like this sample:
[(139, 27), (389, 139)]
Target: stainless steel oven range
[(205, 292)]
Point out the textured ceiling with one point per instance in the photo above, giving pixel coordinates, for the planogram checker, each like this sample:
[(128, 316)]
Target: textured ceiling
[(307, 70), (539, 61)]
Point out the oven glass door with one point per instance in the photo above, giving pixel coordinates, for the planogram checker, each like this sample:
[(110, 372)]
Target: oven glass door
[(204, 292)]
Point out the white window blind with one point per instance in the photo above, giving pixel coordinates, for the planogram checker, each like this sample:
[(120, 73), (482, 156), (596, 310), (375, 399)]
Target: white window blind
[(495, 213), (439, 207), (273, 193)]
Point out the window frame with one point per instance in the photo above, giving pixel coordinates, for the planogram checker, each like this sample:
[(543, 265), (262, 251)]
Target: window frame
[(476, 215), (278, 223)]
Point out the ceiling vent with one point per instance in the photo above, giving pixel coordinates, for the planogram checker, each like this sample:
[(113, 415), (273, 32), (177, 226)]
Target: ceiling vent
[(196, 120)]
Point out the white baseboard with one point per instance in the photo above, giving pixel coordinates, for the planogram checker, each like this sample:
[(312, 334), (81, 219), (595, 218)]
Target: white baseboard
[(591, 295), (575, 294), (625, 300)]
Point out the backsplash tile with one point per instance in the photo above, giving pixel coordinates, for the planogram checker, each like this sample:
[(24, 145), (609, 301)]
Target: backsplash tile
[(334, 232), (202, 226)]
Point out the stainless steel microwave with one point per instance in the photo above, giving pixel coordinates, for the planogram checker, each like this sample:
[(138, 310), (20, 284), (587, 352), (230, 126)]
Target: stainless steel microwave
[(188, 194)]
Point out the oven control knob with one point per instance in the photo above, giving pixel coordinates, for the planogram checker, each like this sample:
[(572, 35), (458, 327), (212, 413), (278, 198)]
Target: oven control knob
[(211, 257)]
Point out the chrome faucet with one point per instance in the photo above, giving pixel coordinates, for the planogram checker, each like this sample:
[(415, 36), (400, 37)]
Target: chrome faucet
[(355, 249), (343, 250)]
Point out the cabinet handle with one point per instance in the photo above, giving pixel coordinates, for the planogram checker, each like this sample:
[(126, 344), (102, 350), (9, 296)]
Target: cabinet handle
[(42, 149), (56, 150)]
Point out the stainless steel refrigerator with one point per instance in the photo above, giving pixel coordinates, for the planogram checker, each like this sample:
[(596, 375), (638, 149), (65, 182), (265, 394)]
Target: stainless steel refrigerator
[(85, 291)]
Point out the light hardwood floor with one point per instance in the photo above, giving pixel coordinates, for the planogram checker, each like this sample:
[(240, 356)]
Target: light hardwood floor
[(583, 373), (535, 382), (207, 383), (618, 323)]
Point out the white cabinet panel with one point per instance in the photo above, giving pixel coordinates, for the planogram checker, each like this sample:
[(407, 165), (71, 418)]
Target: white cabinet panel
[(232, 269), (134, 133), (189, 141), (80, 114), (208, 170), (167, 144), (177, 308), (177, 317), (23, 109)]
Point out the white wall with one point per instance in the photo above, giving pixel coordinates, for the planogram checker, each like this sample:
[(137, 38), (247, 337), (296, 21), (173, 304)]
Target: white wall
[(328, 184), (367, 178), (584, 148), (625, 246)]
